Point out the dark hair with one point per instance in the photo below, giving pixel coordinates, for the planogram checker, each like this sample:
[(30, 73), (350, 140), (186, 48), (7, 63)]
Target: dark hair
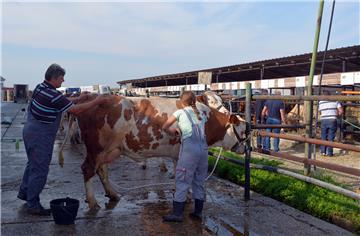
[(54, 71)]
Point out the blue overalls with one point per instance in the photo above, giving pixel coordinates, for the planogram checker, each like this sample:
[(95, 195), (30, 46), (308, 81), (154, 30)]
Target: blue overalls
[(39, 141), (192, 166)]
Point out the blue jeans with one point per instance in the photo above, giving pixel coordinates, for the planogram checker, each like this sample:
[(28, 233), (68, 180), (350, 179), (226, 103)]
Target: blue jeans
[(272, 121), (328, 131)]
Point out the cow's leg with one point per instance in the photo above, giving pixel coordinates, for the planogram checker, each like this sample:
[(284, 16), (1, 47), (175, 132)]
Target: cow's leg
[(88, 168), (90, 197), (104, 177)]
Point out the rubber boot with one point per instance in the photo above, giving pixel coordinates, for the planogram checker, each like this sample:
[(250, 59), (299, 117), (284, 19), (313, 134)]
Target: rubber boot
[(177, 214), (197, 214)]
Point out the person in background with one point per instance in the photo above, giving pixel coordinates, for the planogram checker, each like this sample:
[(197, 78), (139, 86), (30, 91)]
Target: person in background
[(192, 166), (329, 111), (274, 111), (43, 118), (259, 106)]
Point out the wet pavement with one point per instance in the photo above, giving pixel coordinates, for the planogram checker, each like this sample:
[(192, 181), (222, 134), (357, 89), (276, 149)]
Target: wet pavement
[(139, 210)]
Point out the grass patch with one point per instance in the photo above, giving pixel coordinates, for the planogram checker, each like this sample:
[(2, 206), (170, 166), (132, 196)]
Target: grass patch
[(317, 201)]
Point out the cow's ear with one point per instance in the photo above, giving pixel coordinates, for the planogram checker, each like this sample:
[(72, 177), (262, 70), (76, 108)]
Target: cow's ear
[(234, 120)]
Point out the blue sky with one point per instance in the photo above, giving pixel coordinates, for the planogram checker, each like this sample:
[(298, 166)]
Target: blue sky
[(102, 43)]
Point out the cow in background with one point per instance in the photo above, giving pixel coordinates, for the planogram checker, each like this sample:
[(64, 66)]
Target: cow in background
[(133, 128)]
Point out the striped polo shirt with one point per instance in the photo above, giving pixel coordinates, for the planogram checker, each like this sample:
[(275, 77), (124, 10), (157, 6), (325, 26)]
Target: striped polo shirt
[(47, 103), (329, 109)]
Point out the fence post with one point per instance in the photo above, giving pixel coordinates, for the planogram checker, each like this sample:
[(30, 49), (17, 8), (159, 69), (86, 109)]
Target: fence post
[(248, 141), (309, 104)]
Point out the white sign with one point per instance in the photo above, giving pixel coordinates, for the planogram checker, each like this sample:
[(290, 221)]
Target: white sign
[(281, 83), (271, 83), (357, 77), (234, 85), (228, 86), (253, 84), (316, 80), (300, 81), (204, 78), (347, 78), (242, 85), (264, 84)]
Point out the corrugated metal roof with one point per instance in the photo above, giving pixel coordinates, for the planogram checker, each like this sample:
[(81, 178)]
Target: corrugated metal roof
[(296, 65)]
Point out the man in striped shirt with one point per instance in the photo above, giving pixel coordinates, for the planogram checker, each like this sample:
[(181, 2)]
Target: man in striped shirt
[(44, 114), (329, 110)]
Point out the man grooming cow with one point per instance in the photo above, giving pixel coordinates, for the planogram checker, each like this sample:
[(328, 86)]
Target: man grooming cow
[(44, 114)]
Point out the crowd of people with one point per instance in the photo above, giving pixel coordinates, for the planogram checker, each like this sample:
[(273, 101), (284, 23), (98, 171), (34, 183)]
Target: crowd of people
[(273, 112)]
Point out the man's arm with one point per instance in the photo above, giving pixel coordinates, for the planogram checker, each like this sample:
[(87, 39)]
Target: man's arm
[(340, 110), (283, 116), (264, 112), (79, 108)]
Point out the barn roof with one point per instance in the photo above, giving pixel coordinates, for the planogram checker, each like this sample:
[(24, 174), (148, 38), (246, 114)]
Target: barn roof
[(345, 59)]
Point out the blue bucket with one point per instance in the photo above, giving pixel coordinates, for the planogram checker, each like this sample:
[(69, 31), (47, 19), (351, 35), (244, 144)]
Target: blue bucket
[(64, 210)]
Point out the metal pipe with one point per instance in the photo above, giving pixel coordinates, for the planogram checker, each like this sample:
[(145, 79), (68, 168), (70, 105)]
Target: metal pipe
[(307, 179), (264, 126), (308, 98), (248, 141), (311, 140), (309, 104), (330, 166)]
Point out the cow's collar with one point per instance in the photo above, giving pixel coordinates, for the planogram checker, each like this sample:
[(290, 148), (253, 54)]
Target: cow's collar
[(219, 107), (238, 138)]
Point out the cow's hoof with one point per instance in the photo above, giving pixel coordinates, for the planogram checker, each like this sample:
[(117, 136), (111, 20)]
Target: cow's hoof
[(111, 204), (143, 167), (172, 176), (114, 198), (94, 206)]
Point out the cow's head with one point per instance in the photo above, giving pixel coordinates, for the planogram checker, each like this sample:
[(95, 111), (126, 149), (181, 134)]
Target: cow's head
[(225, 130), (213, 100)]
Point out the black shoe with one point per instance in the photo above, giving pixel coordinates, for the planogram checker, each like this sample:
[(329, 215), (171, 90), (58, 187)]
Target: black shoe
[(197, 214), (21, 196), (177, 214), (39, 211)]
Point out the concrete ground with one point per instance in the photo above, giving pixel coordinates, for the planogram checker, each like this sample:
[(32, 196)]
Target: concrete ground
[(139, 211)]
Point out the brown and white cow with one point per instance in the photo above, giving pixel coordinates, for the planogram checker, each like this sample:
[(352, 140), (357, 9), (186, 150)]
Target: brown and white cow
[(133, 128)]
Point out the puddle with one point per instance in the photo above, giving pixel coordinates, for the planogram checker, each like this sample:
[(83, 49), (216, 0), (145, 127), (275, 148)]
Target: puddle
[(220, 227)]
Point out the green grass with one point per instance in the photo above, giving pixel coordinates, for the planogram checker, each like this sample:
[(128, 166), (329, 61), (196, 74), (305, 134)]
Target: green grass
[(317, 201)]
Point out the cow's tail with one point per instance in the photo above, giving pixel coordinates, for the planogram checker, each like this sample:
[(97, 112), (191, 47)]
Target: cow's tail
[(61, 155)]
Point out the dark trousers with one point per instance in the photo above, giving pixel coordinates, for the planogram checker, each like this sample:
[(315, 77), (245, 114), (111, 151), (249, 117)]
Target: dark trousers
[(267, 145), (328, 131), (39, 142)]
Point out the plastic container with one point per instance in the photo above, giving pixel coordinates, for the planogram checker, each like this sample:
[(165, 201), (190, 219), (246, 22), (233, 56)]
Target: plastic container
[(64, 210)]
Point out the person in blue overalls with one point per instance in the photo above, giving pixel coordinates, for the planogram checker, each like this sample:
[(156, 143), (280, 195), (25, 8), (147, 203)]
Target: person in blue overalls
[(44, 114), (192, 166)]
